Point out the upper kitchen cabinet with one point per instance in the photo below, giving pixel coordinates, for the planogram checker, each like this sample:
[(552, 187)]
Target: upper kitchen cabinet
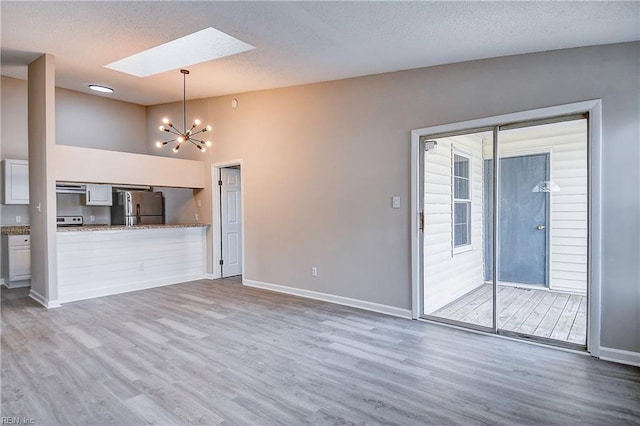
[(16, 182), (98, 195)]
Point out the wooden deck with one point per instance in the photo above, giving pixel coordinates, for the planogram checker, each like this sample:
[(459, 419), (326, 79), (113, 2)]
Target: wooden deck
[(558, 316)]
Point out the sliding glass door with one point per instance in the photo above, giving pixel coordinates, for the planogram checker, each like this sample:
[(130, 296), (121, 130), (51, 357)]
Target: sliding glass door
[(454, 236), (524, 216)]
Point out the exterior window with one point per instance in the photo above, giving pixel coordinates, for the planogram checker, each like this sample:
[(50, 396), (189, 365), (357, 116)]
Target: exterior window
[(461, 201)]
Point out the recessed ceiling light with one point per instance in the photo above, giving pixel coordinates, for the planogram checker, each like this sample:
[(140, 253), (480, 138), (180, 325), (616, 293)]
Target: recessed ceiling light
[(100, 88), (201, 46)]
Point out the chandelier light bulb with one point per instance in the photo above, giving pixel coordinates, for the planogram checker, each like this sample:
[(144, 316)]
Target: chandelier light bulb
[(208, 143), (180, 139), (176, 148), (161, 128), (209, 128), (159, 144), (165, 120), (196, 122)]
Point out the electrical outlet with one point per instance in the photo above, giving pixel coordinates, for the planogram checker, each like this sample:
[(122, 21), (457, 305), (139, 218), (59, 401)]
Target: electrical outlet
[(140, 266), (314, 271), (18, 219), (395, 202), (199, 202), (92, 218), (196, 216)]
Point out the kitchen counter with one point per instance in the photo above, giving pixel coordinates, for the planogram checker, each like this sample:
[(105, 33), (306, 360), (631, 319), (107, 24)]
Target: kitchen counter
[(25, 230), (15, 230), (86, 228)]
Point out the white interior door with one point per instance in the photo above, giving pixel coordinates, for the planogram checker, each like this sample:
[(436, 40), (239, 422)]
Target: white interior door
[(231, 215)]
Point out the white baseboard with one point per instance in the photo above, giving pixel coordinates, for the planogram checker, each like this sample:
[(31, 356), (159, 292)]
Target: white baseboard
[(325, 297), (49, 304), (209, 276), (620, 356), (128, 287)]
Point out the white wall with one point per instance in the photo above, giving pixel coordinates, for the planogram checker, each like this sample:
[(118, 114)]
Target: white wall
[(449, 275), (321, 162), (78, 164)]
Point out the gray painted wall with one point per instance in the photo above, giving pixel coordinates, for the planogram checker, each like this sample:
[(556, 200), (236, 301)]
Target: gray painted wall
[(81, 120), (322, 161), (42, 196), (99, 122)]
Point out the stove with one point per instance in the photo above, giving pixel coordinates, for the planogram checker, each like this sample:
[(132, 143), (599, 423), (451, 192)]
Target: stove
[(69, 220)]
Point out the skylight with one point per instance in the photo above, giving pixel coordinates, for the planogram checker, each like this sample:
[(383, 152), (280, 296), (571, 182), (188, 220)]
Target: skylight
[(201, 46)]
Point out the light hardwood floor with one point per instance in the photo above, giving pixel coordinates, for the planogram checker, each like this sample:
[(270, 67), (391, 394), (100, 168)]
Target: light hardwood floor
[(215, 352), (558, 316)]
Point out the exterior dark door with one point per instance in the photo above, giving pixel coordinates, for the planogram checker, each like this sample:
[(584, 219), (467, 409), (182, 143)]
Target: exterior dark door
[(523, 220)]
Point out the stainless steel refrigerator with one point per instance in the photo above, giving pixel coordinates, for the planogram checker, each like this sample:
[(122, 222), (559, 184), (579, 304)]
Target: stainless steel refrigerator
[(137, 208)]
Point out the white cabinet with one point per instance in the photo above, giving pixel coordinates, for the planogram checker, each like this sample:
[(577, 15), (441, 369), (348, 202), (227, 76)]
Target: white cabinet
[(98, 195), (17, 260), (15, 189)]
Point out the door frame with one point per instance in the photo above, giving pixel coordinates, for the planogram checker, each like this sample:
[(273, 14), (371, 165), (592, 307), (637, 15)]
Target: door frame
[(216, 205), (594, 164)]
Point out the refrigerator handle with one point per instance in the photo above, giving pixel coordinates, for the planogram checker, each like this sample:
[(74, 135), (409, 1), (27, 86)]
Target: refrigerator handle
[(138, 213)]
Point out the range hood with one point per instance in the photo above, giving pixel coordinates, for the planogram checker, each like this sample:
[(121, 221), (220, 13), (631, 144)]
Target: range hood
[(70, 188)]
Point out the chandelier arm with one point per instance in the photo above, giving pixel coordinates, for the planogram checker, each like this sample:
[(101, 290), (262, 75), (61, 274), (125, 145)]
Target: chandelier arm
[(174, 128), (175, 132), (200, 131), (197, 140)]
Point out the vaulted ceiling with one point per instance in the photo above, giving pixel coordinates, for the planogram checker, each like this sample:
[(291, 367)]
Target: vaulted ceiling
[(296, 42)]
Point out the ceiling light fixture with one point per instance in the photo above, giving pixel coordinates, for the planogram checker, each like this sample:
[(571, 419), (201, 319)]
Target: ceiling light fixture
[(187, 135), (100, 88)]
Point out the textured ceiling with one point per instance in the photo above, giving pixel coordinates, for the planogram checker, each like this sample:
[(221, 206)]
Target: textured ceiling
[(296, 42)]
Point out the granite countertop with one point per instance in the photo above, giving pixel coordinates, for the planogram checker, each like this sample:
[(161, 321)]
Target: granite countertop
[(15, 230), (24, 230), (86, 228)]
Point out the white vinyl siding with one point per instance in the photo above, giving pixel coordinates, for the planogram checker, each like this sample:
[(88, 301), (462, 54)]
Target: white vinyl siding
[(448, 277), (567, 143)]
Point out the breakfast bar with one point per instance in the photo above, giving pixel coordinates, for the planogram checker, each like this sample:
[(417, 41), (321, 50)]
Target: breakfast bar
[(101, 260)]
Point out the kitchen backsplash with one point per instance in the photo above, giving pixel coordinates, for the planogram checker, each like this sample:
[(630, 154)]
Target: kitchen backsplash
[(10, 213), (70, 205)]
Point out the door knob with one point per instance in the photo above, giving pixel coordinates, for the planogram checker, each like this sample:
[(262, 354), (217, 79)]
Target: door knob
[(541, 227)]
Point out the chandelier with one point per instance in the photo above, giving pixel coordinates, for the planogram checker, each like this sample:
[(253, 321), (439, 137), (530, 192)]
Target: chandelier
[(187, 135)]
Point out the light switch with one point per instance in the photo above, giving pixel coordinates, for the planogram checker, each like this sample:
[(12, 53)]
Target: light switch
[(395, 202)]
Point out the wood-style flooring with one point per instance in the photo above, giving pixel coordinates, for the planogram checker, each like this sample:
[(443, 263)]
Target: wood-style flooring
[(215, 352), (542, 313)]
